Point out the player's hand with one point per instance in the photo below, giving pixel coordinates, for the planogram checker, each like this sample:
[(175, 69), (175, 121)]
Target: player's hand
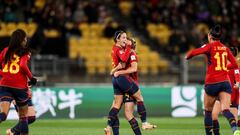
[(112, 71), (128, 43), (236, 86), (33, 81), (116, 74), (122, 65), (187, 57)]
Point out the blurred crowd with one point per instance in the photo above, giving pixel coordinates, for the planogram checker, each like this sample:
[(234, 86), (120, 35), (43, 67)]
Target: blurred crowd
[(182, 16), (54, 13)]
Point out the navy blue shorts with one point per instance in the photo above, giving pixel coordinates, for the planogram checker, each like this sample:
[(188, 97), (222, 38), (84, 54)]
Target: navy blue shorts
[(9, 94), (29, 102), (122, 85), (128, 98), (215, 89)]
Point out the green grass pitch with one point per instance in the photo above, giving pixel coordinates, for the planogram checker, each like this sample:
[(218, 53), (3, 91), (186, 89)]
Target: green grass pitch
[(166, 126)]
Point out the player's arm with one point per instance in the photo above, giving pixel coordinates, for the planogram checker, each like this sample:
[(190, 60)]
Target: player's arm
[(237, 77), (118, 67), (232, 59), (131, 69), (202, 50), (24, 66), (125, 55)]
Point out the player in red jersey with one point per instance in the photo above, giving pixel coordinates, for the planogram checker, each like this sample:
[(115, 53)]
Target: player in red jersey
[(31, 112), (123, 84), (131, 70), (217, 81), (234, 79), (120, 53), (15, 75)]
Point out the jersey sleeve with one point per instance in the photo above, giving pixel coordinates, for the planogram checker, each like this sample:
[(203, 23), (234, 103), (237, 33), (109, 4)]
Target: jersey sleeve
[(24, 66), (202, 50), (237, 75), (133, 58), (232, 59), (124, 55)]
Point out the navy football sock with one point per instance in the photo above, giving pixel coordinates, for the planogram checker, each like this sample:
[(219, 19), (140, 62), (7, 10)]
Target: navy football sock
[(16, 128), (208, 122), (112, 116), (216, 127), (115, 127), (23, 125), (142, 111), (231, 119), (134, 124), (3, 116)]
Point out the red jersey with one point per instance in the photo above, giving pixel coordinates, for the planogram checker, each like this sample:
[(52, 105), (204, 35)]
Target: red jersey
[(120, 55), (133, 58), (217, 57), (15, 74)]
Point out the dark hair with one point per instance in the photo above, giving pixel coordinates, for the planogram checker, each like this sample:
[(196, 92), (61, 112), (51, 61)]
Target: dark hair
[(234, 50), (15, 46), (216, 32), (117, 35)]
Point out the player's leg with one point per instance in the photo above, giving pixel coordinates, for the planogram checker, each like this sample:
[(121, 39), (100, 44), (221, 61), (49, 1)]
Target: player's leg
[(115, 126), (235, 102), (21, 98), (4, 105), (234, 111), (31, 118), (117, 102), (225, 105), (113, 113), (128, 111), (215, 113), (208, 107), (133, 90), (5, 102)]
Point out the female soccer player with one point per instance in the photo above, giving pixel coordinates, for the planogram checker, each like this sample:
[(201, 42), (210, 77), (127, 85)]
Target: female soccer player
[(15, 74), (120, 52), (217, 81), (234, 79), (129, 101), (122, 84)]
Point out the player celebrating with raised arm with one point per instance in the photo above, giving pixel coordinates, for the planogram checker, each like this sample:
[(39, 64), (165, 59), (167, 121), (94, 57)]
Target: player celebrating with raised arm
[(15, 74), (234, 79), (217, 81)]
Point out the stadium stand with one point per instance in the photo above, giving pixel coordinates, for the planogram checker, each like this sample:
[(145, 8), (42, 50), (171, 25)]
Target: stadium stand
[(81, 31)]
